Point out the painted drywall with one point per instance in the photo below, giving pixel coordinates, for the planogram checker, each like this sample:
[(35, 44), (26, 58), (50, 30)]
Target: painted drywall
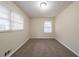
[(67, 27), (37, 28), (12, 40)]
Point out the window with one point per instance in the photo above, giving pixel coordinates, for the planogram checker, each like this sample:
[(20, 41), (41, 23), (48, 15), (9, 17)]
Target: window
[(47, 26), (10, 20), (4, 18), (16, 21)]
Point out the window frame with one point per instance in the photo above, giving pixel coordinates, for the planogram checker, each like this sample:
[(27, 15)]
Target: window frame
[(47, 26), (10, 21)]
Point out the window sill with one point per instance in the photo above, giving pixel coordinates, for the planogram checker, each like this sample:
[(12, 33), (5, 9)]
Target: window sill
[(11, 31)]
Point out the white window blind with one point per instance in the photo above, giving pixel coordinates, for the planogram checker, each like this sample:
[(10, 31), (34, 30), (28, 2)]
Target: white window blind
[(16, 21), (47, 26), (4, 18), (10, 20)]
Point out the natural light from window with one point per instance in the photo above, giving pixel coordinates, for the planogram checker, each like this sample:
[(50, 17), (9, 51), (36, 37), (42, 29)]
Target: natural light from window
[(47, 26), (10, 20)]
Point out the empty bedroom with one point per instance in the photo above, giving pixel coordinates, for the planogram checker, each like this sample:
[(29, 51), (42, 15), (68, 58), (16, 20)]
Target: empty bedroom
[(39, 28)]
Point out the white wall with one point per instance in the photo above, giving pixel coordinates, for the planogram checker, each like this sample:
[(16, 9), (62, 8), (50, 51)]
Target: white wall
[(37, 28), (67, 27), (12, 40)]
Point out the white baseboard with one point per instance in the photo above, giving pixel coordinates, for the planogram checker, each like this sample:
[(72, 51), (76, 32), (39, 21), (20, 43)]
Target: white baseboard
[(17, 48), (42, 37), (69, 48)]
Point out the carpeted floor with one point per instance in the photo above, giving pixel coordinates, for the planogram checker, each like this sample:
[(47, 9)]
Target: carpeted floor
[(43, 48)]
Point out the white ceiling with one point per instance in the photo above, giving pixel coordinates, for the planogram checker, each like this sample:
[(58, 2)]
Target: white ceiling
[(32, 8)]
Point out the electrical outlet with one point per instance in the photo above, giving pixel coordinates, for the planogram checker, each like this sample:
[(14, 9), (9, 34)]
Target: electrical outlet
[(6, 53)]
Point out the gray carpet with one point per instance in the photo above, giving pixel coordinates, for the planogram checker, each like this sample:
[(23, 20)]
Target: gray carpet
[(43, 48)]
